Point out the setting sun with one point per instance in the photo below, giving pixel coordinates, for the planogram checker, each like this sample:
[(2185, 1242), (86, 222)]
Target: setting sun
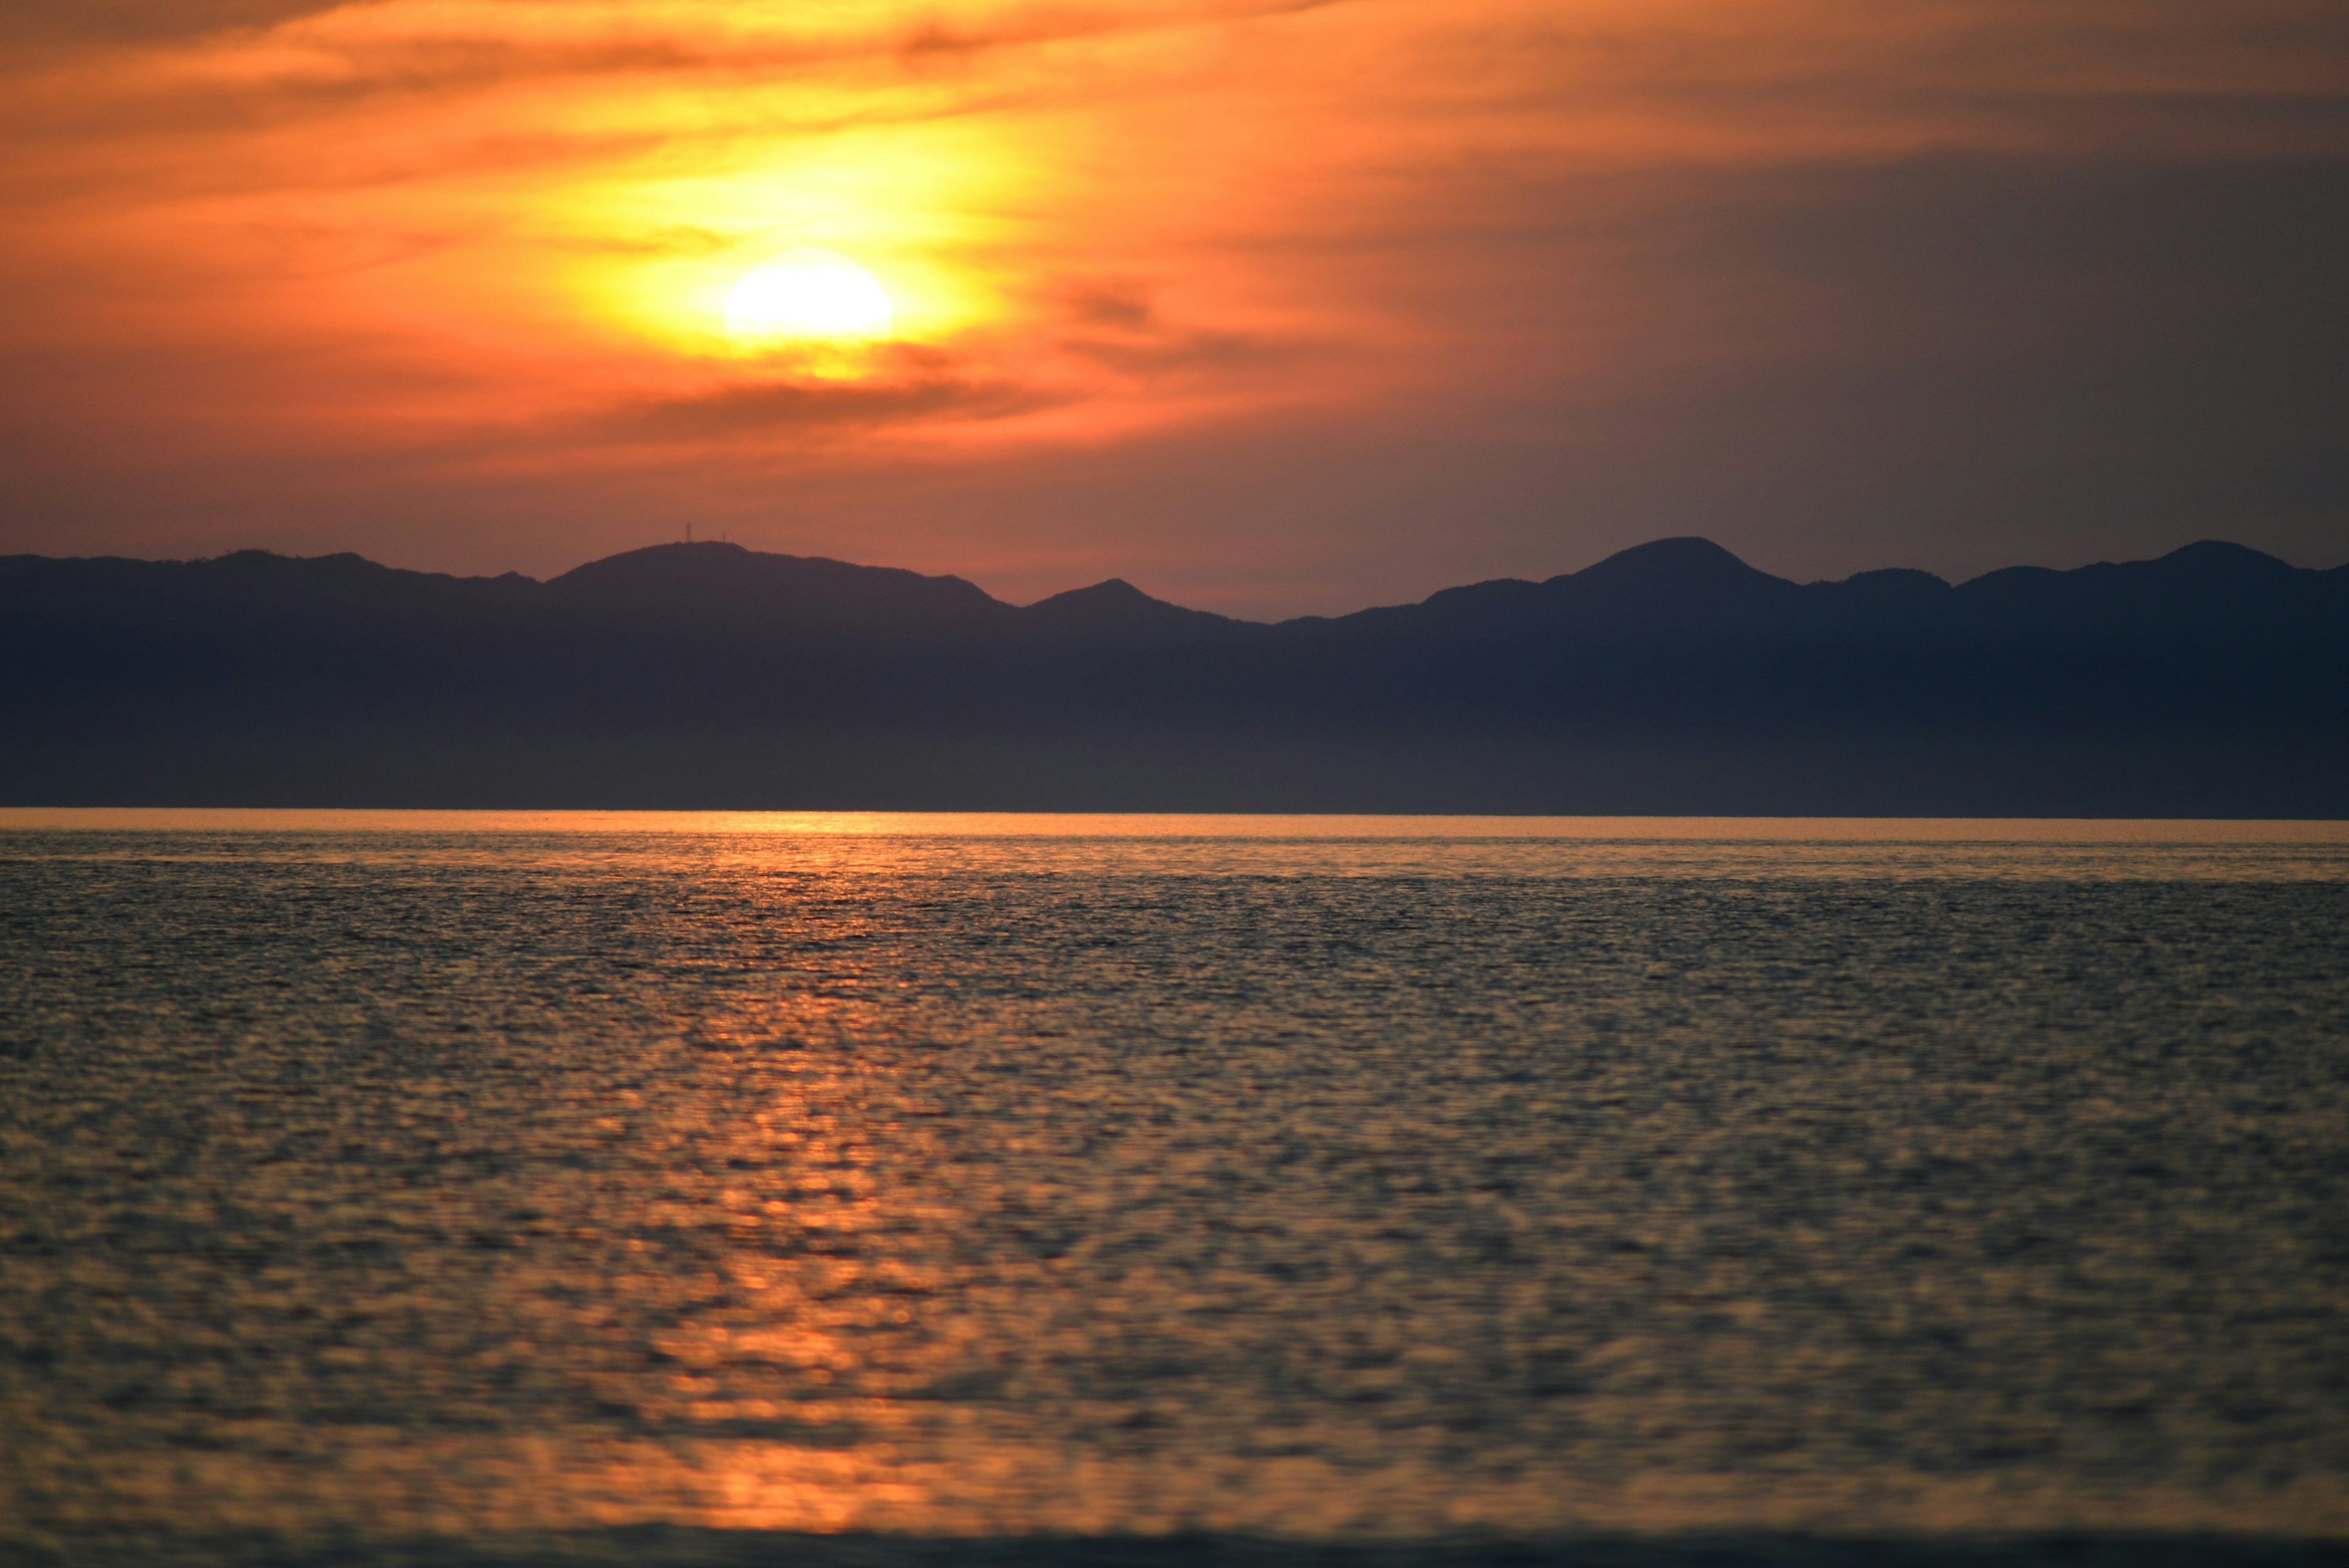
[(806, 294)]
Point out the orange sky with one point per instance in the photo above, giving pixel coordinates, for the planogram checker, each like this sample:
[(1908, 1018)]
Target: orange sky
[(1267, 306)]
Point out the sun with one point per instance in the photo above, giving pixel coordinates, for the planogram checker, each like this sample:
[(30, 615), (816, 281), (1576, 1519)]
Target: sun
[(806, 296)]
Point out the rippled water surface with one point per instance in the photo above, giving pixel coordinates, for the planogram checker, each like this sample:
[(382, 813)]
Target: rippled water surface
[(370, 1176)]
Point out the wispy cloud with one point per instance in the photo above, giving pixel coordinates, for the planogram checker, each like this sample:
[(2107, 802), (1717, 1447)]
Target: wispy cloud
[(799, 408), (85, 23)]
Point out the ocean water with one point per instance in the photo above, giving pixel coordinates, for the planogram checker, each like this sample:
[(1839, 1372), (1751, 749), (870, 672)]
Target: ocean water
[(651, 1187)]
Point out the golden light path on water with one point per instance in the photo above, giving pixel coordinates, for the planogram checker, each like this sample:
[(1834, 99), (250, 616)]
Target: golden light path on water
[(1209, 825), (472, 1174), (1239, 843)]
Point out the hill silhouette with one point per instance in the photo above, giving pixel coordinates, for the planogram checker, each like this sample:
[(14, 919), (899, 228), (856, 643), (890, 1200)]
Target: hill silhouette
[(782, 591), (1668, 678)]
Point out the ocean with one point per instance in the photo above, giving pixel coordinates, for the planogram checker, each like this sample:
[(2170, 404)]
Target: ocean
[(829, 1188)]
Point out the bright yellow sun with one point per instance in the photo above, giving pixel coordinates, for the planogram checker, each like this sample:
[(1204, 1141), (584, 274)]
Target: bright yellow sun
[(806, 295)]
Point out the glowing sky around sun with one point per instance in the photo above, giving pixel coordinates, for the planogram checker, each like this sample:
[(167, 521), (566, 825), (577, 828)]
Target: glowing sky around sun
[(1275, 305)]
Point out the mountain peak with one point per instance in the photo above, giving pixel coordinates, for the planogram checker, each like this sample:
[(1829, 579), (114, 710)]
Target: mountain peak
[(1684, 561), (2217, 558), (714, 575), (1116, 604), (673, 562), (1108, 591)]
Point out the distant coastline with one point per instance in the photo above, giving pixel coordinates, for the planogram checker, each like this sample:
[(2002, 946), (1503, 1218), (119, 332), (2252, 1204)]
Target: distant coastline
[(1670, 679)]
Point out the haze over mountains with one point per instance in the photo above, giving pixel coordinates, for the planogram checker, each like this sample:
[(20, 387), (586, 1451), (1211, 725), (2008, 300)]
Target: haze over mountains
[(1670, 678)]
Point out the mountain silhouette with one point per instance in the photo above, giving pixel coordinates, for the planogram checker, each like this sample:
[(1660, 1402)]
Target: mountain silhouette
[(795, 591), (1668, 678), (1119, 610)]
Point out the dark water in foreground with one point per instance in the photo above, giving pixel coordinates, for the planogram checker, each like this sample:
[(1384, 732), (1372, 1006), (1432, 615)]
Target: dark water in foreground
[(434, 1189)]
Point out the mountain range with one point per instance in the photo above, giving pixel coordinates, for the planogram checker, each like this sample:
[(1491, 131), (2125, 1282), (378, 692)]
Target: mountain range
[(1672, 679)]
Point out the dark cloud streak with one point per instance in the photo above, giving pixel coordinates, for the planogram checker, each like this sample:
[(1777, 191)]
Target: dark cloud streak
[(141, 21), (807, 408)]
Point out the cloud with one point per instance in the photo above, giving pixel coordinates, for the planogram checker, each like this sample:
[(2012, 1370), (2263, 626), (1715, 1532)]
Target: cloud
[(142, 20), (1199, 350), (282, 96), (810, 408), (1120, 304), (1117, 325), (295, 57)]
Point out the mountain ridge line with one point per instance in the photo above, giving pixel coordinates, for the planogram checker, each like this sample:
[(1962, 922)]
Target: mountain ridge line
[(1677, 561)]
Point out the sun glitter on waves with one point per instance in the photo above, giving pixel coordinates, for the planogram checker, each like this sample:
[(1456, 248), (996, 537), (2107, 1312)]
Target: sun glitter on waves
[(804, 297)]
